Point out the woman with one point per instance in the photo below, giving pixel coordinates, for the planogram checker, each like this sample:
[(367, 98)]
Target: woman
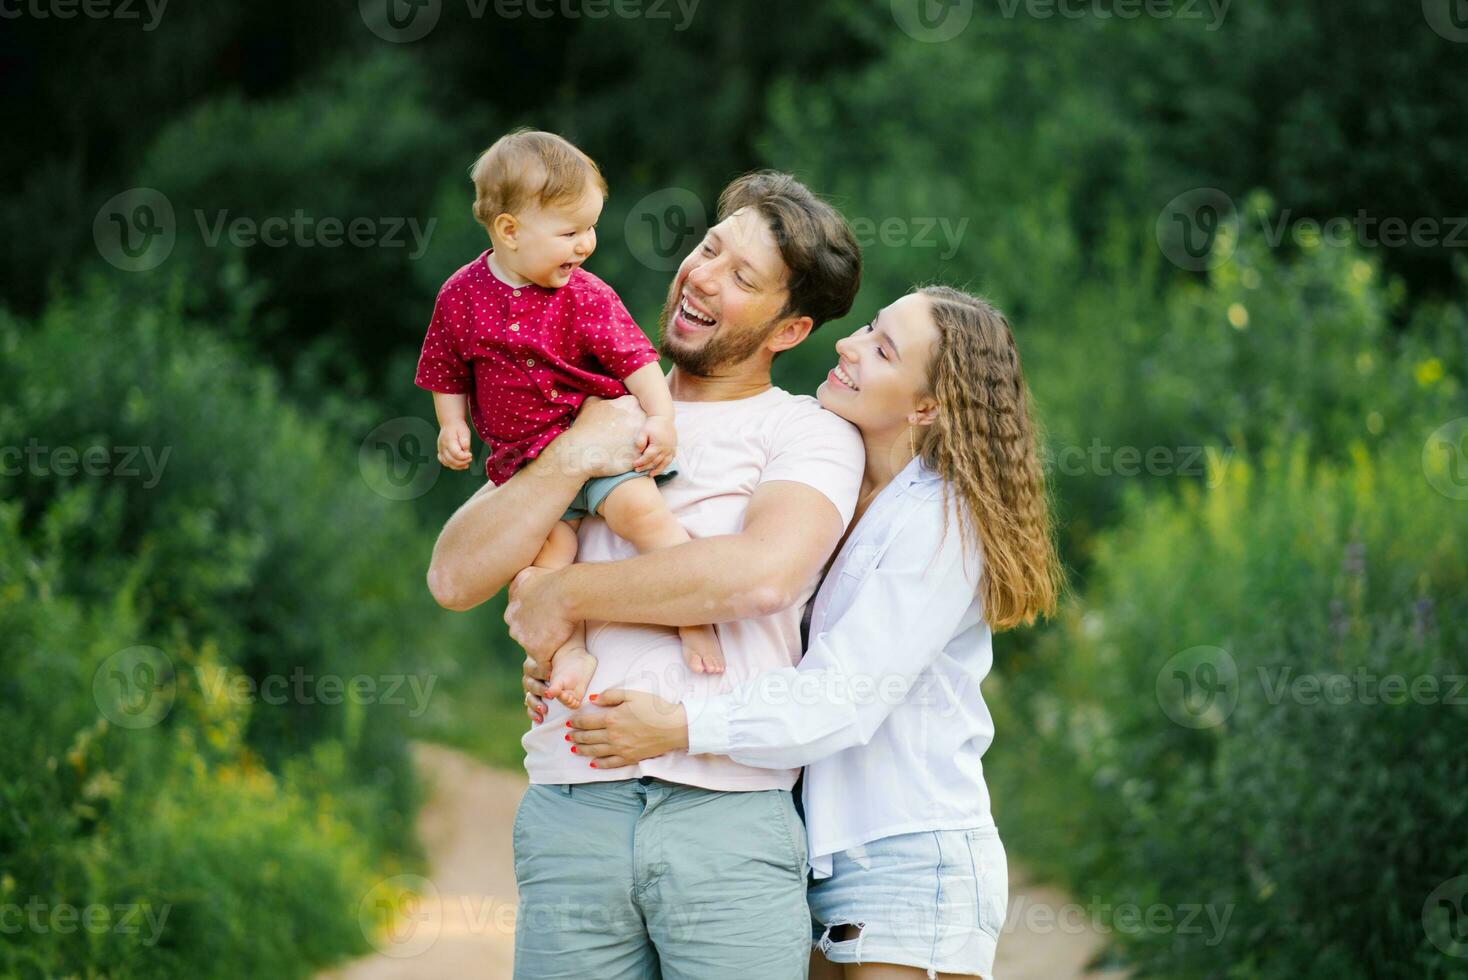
[(952, 540)]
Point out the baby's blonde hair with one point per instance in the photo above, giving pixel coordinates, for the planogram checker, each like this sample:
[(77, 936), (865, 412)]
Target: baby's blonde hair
[(530, 167)]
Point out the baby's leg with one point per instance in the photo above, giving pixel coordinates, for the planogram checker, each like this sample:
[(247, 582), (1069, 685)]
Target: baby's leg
[(571, 670), (635, 511), (572, 665), (559, 549)]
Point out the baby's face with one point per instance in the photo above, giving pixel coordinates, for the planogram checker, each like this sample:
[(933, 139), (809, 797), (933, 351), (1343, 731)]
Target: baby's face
[(554, 241)]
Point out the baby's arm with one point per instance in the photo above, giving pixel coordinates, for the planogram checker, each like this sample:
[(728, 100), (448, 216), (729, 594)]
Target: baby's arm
[(659, 439), (453, 430)]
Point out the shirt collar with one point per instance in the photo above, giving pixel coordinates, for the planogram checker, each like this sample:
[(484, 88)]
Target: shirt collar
[(917, 471)]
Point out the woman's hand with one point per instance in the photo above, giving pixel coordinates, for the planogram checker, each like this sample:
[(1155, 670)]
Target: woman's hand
[(602, 440), (626, 727)]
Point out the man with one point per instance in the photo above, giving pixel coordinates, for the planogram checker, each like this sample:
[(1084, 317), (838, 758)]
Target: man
[(682, 866)]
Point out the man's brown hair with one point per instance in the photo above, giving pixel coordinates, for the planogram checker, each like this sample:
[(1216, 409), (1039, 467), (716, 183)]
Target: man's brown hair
[(814, 239)]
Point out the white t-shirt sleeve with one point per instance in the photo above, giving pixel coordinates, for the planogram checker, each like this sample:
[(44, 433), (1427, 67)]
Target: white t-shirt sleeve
[(820, 449)]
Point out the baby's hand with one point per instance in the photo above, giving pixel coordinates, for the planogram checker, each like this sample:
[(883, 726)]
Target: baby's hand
[(453, 446), (657, 443)]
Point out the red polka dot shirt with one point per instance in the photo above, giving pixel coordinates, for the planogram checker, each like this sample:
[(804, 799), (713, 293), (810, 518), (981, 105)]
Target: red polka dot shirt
[(527, 356)]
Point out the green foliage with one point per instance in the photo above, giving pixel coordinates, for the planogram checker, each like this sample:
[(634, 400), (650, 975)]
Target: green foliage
[(233, 533), (1028, 158), (1303, 794), (357, 146)]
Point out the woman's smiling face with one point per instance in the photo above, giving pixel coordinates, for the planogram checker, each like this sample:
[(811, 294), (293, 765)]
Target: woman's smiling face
[(881, 372)]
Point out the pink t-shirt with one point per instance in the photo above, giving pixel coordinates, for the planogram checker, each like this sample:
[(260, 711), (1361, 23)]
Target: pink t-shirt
[(726, 449)]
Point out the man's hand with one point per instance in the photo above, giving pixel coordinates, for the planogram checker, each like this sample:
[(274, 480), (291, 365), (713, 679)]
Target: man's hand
[(603, 439), (533, 677), (626, 727), (534, 614)]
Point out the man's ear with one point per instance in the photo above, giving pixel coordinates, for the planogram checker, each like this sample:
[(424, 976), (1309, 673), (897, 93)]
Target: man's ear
[(506, 230), (790, 333)]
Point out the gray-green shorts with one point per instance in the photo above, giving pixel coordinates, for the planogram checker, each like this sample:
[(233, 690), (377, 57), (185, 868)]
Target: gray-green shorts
[(641, 879), (589, 498)]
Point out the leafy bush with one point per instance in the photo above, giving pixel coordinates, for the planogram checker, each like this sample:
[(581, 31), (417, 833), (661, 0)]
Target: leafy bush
[(231, 533), (1213, 726), (359, 144)]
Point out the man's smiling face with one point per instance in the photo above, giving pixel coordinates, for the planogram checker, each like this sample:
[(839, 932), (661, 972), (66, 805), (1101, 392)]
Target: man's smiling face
[(728, 297)]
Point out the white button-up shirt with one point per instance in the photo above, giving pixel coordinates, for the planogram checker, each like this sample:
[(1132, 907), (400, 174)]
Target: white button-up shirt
[(884, 709)]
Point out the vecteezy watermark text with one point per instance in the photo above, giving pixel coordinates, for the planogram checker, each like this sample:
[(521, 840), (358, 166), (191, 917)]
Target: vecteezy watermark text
[(1216, 11), (405, 915), (1100, 459), (63, 918), (1201, 686), (220, 685), (934, 21), (136, 230), (1127, 918), (301, 230), (405, 21), (90, 9), (1200, 229), (137, 687), (919, 232), (35, 459)]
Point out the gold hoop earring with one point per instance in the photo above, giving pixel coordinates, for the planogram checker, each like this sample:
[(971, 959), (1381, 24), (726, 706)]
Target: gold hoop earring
[(912, 439)]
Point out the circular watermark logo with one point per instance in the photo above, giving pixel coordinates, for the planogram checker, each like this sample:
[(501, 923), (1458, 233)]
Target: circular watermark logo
[(1448, 18), (135, 688), (1199, 229), (135, 230), (1199, 687), (932, 21), (399, 458), (663, 226), (1445, 459), (400, 21), (401, 916), (1445, 917)]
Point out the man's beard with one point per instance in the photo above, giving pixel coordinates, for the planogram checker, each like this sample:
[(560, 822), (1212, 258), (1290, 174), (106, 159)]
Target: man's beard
[(721, 351)]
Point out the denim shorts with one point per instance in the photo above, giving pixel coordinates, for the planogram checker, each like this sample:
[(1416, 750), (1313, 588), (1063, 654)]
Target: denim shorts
[(934, 900)]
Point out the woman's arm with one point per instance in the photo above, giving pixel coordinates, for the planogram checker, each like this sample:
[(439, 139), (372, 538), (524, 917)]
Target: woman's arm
[(852, 677), (499, 530)]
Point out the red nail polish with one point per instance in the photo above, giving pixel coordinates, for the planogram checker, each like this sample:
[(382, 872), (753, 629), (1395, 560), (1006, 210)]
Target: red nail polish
[(593, 697), (593, 765), (573, 750), (568, 738), (568, 724)]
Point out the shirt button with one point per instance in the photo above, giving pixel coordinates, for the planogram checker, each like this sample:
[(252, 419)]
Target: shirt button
[(515, 327), (530, 362), (517, 292), (555, 393)]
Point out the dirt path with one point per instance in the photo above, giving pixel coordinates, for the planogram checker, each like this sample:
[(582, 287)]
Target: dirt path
[(465, 925)]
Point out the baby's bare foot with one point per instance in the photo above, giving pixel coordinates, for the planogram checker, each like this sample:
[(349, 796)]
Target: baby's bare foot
[(571, 671), (701, 649)]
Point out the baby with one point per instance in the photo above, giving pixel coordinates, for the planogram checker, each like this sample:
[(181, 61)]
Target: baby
[(522, 335)]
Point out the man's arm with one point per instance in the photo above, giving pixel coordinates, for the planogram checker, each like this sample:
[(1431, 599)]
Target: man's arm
[(790, 529), (500, 530)]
